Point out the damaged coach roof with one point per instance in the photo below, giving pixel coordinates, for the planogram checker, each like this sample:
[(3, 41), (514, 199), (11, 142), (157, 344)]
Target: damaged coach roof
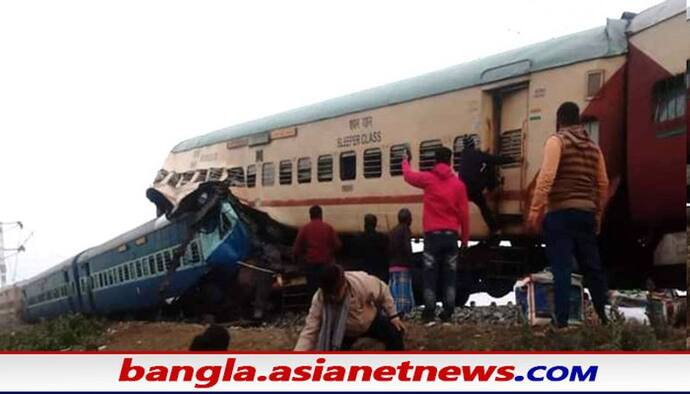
[(590, 44), (656, 14)]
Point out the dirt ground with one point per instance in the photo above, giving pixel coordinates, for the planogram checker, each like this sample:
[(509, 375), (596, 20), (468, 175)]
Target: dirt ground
[(166, 336)]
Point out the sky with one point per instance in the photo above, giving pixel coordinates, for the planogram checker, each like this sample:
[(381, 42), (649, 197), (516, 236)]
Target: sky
[(93, 95)]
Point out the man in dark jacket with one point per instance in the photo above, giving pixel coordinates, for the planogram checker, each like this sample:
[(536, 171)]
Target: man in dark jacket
[(372, 249), (400, 253), (478, 172)]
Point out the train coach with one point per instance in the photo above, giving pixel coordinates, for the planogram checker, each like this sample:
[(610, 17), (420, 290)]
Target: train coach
[(345, 154), (142, 269)]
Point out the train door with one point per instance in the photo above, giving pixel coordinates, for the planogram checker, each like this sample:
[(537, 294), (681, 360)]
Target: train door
[(86, 287), (510, 120)]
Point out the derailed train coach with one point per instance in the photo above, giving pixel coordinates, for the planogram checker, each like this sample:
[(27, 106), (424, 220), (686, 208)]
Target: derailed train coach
[(345, 153), (146, 268)]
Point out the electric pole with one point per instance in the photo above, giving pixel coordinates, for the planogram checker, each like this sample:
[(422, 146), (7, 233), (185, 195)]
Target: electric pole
[(20, 248)]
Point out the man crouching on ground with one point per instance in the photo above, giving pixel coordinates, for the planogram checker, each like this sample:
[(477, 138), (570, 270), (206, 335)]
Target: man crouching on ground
[(347, 306)]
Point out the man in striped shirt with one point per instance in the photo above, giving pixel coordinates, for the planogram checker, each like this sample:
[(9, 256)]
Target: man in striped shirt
[(572, 189)]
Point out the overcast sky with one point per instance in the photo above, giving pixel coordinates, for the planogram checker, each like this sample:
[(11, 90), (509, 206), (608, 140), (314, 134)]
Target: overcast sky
[(93, 95)]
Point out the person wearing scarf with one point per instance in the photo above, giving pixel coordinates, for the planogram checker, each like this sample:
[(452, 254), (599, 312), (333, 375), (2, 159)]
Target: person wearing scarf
[(347, 306)]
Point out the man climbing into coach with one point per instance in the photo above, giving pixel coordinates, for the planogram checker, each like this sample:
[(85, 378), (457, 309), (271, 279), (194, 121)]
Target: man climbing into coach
[(477, 170), (445, 211)]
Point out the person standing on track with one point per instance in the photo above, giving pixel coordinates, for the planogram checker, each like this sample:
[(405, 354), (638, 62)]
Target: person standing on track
[(572, 188), (401, 262), (371, 248), (316, 245), (445, 211)]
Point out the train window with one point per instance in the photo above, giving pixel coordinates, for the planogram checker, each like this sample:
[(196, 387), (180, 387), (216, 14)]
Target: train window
[(125, 271), (670, 100), (396, 158), (174, 179), (251, 175), (427, 154), (372, 163), (101, 281), (304, 170), (595, 80), (159, 262), (194, 249), (236, 176), (167, 257), (131, 270), (138, 268), (268, 173), (186, 178), (144, 267), (459, 146), (120, 275), (152, 265), (201, 176), (285, 172), (511, 146), (110, 278), (348, 166), (160, 176), (324, 168), (215, 174)]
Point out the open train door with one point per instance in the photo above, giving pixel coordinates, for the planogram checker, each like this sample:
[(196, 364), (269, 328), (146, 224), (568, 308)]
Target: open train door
[(510, 122)]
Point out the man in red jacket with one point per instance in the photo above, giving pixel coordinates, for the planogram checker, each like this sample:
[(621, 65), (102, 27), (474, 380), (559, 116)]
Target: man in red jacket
[(445, 211), (316, 245)]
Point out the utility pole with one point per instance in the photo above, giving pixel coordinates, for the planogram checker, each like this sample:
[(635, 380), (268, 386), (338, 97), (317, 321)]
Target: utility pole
[(20, 248)]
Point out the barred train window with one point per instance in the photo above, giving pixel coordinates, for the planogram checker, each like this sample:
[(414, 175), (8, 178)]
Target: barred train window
[(215, 174), (348, 166), (186, 177), (152, 265), (201, 176), (459, 146), (268, 173), (251, 175), (511, 146), (162, 173), (325, 168), (285, 172), (174, 179), (427, 154), (372, 163), (670, 100), (144, 267), (167, 257), (396, 158), (159, 262), (304, 170), (236, 176)]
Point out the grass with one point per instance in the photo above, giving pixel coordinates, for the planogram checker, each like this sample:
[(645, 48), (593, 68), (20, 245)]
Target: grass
[(68, 332)]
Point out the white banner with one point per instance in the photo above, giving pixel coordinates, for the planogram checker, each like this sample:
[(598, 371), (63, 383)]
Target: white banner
[(344, 372)]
